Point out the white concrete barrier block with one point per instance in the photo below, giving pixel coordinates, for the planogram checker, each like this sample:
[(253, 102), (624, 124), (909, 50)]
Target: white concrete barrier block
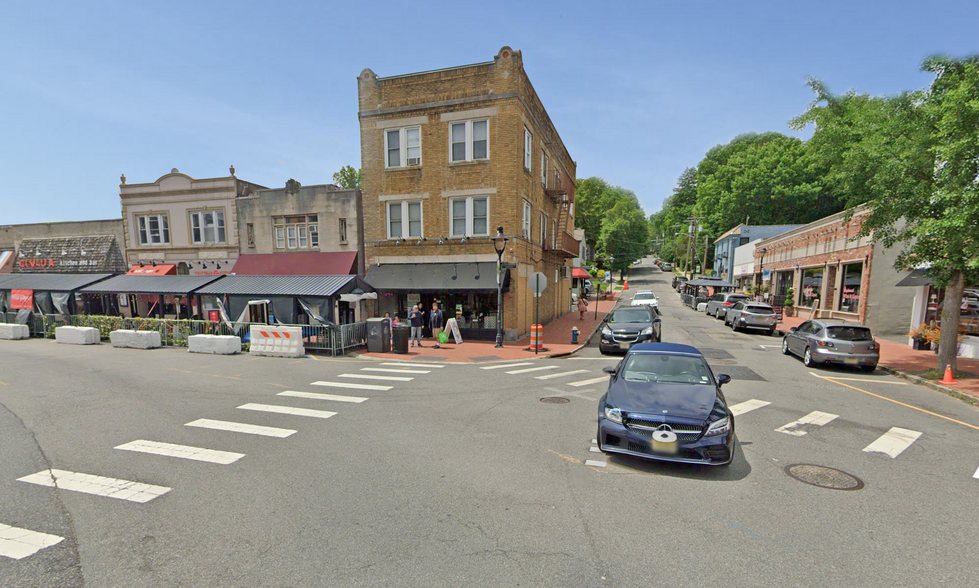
[(214, 344), (277, 341), (13, 331), (135, 339), (701, 307), (77, 335)]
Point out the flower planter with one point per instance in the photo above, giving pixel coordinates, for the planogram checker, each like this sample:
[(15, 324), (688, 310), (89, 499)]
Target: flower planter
[(920, 344), (788, 311)]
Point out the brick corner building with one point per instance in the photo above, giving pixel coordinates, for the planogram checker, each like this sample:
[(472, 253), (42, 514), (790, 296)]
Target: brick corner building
[(448, 156)]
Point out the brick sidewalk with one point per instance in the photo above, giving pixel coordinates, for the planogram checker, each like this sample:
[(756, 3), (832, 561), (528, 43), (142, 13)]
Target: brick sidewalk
[(901, 358), (557, 341)]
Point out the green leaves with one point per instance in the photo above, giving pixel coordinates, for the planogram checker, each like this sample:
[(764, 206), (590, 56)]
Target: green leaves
[(348, 178)]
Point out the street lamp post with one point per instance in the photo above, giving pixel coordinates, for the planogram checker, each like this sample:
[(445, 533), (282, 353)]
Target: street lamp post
[(761, 277), (499, 244)]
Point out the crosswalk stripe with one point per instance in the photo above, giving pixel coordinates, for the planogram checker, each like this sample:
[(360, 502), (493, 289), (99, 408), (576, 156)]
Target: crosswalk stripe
[(594, 450), (747, 406), (182, 451), (370, 377), (315, 396), (813, 418), (893, 442), (406, 364), (504, 365), (17, 543), (352, 386), (390, 371), (536, 369), (588, 382), (320, 414), (976, 475), (560, 375), (241, 428), (597, 464), (97, 485)]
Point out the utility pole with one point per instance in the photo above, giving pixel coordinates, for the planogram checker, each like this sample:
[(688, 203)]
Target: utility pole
[(704, 267), (693, 229)]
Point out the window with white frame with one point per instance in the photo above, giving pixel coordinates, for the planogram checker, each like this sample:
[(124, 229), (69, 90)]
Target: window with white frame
[(526, 220), (153, 229), (404, 219), (296, 231), (545, 163), (207, 226), (528, 146), (554, 234), (543, 229), (469, 140), (469, 216), (402, 147), (557, 177), (343, 230)]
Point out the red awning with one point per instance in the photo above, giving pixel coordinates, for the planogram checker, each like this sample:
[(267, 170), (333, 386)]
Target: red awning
[(577, 272), (311, 263), (165, 269)]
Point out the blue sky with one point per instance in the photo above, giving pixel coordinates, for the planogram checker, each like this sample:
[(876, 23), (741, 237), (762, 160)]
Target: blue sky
[(638, 90)]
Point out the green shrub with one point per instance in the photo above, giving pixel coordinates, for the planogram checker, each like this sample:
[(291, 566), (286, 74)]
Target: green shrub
[(789, 296)]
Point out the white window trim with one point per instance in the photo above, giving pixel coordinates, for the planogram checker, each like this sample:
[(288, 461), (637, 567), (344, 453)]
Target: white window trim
[(342, 229), (543, 229), (402, 147), (469, 140), (544, 163), (163, 221), (404, 219), (469, 216), (528, 222), (528, 149), (217, 236)]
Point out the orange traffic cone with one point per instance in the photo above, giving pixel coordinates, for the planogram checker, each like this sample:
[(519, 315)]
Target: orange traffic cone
[(626, 286), (949, 377)]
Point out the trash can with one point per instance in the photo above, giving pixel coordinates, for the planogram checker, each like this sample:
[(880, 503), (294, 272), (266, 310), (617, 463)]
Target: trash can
[(401, 335), (378, 335)]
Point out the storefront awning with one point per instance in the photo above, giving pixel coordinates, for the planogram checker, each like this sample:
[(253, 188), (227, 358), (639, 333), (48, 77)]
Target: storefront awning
[(141, 284), (312, 286), (917, 277), (577, 272), (165, 269), (310, 263), (49, 282), (435, 277)]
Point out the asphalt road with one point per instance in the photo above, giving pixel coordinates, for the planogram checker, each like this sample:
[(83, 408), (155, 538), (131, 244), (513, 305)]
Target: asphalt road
[(461, 475)]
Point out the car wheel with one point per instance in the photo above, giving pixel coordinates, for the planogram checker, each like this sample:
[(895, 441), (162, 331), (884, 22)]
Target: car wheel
[(807, 358), (869, 368), (785, 347), (771, 332), (734, 326), (602, 350)]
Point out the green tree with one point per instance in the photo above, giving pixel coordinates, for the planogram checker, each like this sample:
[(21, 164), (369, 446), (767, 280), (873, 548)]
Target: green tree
[(624, 235), (348, 178), (588, 214)]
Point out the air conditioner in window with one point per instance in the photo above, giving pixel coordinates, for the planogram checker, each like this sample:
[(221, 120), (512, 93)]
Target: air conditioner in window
[(414, 161)]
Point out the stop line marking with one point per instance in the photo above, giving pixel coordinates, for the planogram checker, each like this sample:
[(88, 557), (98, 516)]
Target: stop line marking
[(813, 418), (893, 442), (96, 485), (17, 543)]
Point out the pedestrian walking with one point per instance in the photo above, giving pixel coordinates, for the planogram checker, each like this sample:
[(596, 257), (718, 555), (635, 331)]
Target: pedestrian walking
[(582, 307), (436, 320), (417, 322)]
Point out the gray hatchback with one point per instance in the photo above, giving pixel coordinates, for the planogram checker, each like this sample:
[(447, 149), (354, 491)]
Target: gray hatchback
[(751, 315), (833, 341)]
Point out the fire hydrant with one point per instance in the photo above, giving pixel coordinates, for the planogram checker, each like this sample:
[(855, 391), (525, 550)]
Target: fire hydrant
[(574, 334)]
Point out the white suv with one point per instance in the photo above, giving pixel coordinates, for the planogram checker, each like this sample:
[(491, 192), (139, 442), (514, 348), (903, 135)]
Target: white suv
[(645, 299)]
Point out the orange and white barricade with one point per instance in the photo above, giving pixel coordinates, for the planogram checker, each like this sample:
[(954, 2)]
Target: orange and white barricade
[(537, 337), (277, 341)]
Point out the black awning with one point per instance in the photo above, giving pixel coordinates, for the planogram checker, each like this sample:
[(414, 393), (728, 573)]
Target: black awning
[(435, 277), (917, 277), (134, 284)]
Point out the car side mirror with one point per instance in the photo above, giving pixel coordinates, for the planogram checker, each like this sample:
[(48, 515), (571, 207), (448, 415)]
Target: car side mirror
[(609, 370), (793, 329), (723, 379)]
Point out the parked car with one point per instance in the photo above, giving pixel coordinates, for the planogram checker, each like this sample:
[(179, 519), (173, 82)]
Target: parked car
[(627, 326), (718, 305), (645, 298), (664, 403), (751, 315), (666, 266), (678, 282), (833, 341)]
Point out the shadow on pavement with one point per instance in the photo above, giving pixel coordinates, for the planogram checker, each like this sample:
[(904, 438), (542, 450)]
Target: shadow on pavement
[(737, 470)]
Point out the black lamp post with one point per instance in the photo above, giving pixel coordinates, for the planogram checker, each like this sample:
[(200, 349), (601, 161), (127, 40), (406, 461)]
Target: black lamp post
[(499, 243), (764, 250)]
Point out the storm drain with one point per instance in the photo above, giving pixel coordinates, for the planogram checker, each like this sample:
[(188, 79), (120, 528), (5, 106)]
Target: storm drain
[(823, 477), (554, 400)]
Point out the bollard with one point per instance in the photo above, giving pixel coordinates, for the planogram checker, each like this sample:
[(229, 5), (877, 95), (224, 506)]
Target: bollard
[(536, 338), (574, 335)]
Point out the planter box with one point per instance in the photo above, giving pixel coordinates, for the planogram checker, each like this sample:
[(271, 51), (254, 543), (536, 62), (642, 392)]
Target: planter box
[(135, 339), (13, 331), (920, 345), (77, 335)]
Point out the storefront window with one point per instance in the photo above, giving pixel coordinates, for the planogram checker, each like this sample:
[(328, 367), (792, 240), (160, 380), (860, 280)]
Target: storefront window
[(812, 283), (782, 282), (850, 300)]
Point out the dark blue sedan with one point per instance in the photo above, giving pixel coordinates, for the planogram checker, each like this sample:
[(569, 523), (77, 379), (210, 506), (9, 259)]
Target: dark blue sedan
[(664, 403)]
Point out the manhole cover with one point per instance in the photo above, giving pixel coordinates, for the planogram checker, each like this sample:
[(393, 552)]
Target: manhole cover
[(554, 400), (823, 477)]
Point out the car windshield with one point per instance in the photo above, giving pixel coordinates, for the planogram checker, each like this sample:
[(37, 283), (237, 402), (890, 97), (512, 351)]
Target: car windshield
[(849, 333), (647, 296), (759, 310), (630, 315), (736, 298), (661, 367)]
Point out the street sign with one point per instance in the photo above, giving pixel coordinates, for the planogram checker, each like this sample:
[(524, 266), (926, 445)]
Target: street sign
[(538, 282), (509, 265)]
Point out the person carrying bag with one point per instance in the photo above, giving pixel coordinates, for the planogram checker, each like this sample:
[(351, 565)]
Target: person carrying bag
[(437, 320)]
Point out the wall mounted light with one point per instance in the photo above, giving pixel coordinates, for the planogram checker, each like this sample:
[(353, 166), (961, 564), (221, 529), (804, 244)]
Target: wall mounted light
[(441, 240)]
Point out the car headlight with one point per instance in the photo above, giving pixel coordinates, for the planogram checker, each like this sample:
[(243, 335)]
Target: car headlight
[(606, 330), (613, 414), (647, 331), (718, 427)]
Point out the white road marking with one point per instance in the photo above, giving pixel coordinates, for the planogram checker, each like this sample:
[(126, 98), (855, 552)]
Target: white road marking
[(577, 394), (594, 450), (594, 441), (383, 378), (561, 375), (315, 396), (748, 406), (587, 382), (182, 451), (97, 485), (351, 386), (893, 442), (536, 369), (241, 428), (406, 364), (813, 418), (866, 380), (390, 371), (597, 464), (504, 365), (320, 414), (976, 475), (17, 543)]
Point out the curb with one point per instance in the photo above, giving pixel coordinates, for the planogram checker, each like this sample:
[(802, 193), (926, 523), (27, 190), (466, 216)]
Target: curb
[(587, 339), (967, 398)]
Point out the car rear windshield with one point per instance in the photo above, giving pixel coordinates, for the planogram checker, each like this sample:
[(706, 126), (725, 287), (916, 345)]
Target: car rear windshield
[(660, 367), (759, 310), (849, 334), (737, 297), (644, 297), (630, 315)]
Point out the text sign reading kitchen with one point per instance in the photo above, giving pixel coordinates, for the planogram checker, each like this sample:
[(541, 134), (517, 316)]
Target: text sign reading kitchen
[(52, 263), (22, 299)]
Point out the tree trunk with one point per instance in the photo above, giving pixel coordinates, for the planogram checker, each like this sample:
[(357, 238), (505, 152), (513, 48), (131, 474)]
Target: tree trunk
[(948, 342)]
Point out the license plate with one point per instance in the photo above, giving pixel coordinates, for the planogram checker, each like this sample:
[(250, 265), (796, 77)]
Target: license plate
[(624, 345), (666, 448), (851, 360)]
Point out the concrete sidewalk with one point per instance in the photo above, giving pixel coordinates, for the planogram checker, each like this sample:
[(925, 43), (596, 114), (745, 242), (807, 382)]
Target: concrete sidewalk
[(557, 341), (911, 364)]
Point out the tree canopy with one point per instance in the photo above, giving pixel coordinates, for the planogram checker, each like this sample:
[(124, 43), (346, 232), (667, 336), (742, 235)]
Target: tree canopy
[(348, 178)]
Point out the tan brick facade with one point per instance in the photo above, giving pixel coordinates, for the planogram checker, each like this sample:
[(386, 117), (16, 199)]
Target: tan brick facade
[(500, 93)]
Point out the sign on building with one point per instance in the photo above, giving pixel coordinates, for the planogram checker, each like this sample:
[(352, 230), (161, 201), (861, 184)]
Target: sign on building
[(22, 299)]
